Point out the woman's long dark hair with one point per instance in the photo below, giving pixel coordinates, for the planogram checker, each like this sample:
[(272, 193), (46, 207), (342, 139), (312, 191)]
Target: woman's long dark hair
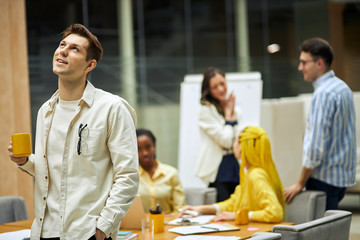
[(206, 97)]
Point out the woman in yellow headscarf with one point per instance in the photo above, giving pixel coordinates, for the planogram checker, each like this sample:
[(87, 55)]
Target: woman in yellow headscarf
[(260, 189)]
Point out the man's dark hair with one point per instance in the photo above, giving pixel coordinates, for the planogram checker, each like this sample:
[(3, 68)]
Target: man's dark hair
[(318, 48), (95, 50)]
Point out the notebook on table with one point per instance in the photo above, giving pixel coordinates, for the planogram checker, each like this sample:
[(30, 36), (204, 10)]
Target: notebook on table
[(132, 219), (206, 228)]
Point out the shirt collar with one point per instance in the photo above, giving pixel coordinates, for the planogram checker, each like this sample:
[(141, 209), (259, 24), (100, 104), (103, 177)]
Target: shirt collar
[(88, 96), (141, 170), (322, 78), (158, 171), (53, 100)]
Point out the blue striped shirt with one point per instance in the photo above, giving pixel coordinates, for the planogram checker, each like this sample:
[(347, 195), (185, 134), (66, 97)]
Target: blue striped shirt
[(330, 141)]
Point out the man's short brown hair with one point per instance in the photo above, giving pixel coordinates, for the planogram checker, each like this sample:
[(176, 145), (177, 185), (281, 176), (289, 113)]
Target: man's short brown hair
[(318, 48), (95, 50)]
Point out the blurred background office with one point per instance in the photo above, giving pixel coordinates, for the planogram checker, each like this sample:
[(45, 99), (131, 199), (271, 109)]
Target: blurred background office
[(149, 46)]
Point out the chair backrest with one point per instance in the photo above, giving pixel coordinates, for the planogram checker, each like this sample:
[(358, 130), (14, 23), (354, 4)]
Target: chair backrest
[(200, 196), (334, 225), (12, 208), (306, 206), (266, 236)]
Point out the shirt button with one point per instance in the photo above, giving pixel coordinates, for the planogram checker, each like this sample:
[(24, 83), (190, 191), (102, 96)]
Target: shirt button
[(44, 156), (44, 198), (40, 219), (45, 177)]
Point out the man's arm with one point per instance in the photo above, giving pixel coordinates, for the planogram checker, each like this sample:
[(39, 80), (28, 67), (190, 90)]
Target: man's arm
[(122, 145), (293, 190), (316, 137)]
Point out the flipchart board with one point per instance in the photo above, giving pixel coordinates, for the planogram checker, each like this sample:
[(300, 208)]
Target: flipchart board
[(247, 88)]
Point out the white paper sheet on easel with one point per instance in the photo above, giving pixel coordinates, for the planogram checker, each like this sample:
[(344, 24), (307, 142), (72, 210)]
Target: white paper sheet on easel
[(17, 235)]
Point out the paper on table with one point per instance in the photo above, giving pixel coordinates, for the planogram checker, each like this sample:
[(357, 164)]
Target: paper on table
[(17, 235), (203, 219), (132, 236), (202, 237), (208, 228)]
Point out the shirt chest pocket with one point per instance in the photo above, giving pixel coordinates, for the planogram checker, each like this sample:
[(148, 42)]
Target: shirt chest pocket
[(91, 142)]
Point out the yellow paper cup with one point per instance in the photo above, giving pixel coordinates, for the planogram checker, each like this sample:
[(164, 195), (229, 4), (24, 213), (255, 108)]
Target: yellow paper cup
[(21, 144), (158, 222), (242, 216)]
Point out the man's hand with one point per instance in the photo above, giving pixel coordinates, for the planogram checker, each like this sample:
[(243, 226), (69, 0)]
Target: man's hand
[(17, 160), (292, 191), (100, 235)]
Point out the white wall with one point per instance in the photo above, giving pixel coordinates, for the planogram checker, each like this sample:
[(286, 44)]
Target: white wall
[(163, 121), (283, 120)]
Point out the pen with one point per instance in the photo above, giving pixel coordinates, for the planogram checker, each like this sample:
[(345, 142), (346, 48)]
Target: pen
[(157, 210), (213, 228)]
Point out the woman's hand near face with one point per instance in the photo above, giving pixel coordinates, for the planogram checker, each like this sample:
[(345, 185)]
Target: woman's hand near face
[(229, 107)]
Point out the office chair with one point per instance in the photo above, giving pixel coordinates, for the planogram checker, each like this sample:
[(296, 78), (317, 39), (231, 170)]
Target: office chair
[(12, 208)]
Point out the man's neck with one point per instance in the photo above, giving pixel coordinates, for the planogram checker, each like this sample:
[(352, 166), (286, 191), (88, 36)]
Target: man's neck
[(71, 90), (326, 70)]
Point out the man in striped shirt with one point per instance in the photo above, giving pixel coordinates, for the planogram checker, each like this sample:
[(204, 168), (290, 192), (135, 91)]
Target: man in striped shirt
[(329, 151)]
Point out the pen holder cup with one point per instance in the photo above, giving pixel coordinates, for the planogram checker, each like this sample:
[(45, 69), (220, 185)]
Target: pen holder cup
[(242, 216), (158, 220)]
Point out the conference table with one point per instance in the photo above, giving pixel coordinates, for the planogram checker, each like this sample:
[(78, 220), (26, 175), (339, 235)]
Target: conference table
[(246, 231)]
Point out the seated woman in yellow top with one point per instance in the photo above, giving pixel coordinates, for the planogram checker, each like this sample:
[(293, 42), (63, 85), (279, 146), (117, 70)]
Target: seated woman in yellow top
[(260, 188), (159, 182)]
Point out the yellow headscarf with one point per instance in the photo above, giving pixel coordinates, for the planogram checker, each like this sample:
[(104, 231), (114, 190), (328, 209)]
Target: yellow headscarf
[(256, 150)]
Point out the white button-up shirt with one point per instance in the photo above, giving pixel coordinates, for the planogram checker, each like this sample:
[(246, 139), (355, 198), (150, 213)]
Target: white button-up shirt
[(99, 185)]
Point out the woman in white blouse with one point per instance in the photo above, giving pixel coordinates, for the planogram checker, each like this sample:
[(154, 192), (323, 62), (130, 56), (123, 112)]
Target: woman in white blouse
[(219, 122)]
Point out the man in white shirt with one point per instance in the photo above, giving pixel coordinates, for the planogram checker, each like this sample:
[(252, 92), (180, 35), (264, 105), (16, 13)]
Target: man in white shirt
[(85, 162)]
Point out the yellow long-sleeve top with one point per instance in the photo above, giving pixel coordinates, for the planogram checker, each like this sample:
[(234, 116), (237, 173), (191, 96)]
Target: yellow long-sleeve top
[(163, 188), (260, 198)]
